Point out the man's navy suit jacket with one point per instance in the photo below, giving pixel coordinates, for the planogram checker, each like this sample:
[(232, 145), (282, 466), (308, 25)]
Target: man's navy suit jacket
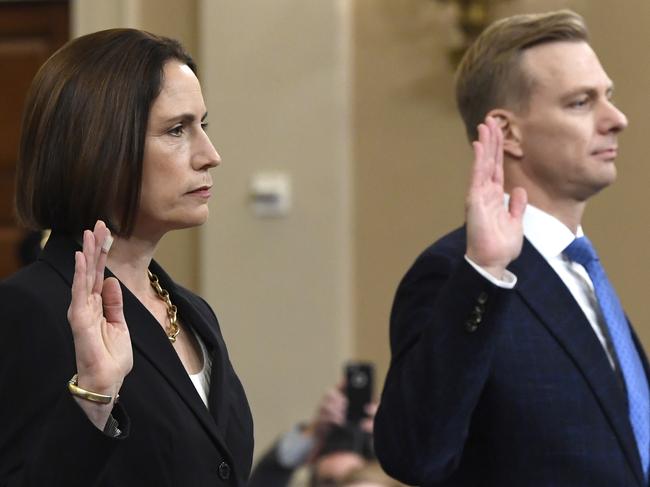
[(496, 387)]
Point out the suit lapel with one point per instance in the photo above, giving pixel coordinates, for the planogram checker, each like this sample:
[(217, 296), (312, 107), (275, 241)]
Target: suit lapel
[(545, 293), (150, 340), (193, 316)]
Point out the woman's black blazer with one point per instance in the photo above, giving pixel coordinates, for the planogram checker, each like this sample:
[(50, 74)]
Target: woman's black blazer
[(169, 437)]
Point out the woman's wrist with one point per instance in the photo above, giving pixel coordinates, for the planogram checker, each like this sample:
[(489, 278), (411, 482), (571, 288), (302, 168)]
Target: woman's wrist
[(89, 395), (96, 402), (97, 414)]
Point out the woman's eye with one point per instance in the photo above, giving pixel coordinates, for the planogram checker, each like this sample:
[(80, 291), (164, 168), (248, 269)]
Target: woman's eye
[(204, 125), (176, 131)]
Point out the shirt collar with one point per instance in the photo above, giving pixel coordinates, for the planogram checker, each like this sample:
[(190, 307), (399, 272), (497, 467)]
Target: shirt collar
[(547, 234)]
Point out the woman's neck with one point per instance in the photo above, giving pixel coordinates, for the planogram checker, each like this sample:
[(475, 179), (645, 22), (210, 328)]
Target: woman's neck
[(129, 260)]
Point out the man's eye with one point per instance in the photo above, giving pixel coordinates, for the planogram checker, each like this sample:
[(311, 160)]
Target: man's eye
[(581, 102)]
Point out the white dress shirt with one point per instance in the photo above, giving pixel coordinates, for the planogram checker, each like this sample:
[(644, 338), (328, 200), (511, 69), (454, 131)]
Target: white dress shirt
[(201, 379), (550, 237)]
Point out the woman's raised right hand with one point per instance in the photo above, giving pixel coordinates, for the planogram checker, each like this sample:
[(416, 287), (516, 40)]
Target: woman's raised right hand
[(101, 336)]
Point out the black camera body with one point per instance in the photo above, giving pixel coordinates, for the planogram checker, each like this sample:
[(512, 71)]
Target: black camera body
[(359, 382)]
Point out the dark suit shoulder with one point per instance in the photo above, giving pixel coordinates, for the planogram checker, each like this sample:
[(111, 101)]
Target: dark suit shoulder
[(200, 304), (26, 278), (36, 290), (439, 259), (451, 246)]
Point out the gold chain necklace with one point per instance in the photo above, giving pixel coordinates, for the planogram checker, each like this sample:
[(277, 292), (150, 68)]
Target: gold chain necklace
[(173, 330)]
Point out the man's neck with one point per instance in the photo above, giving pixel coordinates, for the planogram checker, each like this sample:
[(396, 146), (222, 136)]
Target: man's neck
[(567, 211)]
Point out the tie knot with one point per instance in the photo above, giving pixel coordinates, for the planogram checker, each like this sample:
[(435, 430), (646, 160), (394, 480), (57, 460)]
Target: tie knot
[(581, 251)]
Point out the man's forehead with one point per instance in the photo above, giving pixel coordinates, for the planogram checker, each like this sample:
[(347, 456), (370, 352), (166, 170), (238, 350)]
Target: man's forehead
[(564, 64)]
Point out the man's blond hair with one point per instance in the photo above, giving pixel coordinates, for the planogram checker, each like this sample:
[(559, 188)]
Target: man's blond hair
[(490, 74)]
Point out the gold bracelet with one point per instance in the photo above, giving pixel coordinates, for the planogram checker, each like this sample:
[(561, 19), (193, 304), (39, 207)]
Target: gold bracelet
[(75, 390)]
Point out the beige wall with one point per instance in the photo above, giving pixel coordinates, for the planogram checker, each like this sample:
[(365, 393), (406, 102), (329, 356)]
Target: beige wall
[(275, 77), (409, 153), (354, 100)]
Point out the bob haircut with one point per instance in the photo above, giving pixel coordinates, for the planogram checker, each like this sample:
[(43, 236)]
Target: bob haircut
[(84, 127), (490, 74)]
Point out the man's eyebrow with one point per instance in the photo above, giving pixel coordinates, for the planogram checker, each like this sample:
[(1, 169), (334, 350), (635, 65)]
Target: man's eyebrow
[(590, 90)]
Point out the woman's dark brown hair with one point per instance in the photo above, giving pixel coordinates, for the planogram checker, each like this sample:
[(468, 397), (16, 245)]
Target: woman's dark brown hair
[(84, 127)]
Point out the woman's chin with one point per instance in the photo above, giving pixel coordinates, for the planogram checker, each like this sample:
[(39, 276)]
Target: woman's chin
[(195, 220)]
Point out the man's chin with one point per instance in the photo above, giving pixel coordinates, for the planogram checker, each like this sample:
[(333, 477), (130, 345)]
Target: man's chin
[(597, 186)]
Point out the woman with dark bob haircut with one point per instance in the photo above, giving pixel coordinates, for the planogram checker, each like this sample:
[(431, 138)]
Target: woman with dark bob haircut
[(110, 373)]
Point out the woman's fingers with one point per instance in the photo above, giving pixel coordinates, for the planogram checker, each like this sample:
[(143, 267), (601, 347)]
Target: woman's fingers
[(89, 267), (89, 255), (79, 289), (112, 301), (103, 241), (96, 244)]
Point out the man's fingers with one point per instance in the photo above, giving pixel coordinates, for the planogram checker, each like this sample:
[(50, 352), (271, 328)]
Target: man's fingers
[(518, 201), (486, 153), (498, 156), (491, 144), (478, 168)]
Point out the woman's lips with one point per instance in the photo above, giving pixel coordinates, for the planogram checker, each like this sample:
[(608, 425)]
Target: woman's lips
[(202, 192)]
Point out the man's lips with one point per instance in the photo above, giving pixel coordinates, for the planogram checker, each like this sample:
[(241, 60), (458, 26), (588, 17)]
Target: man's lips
[(606, 153)]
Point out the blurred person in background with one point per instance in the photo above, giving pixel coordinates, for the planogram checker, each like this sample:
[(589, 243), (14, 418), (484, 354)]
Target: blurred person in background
[(370, 475), (328, 446)]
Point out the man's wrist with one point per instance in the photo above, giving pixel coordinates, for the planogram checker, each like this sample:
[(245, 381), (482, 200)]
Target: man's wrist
[(507, 280)]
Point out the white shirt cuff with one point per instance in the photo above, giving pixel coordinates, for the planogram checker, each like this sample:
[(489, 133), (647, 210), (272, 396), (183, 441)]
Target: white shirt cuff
[(509, 279)]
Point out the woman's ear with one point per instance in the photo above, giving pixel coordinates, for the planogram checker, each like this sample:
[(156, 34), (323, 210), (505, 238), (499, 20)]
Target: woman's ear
[(511, 132)]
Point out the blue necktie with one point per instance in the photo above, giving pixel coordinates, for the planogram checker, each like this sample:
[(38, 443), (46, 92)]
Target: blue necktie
[(582, 252)]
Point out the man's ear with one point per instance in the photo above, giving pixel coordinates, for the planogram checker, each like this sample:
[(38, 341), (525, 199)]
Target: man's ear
[(511, 132)]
